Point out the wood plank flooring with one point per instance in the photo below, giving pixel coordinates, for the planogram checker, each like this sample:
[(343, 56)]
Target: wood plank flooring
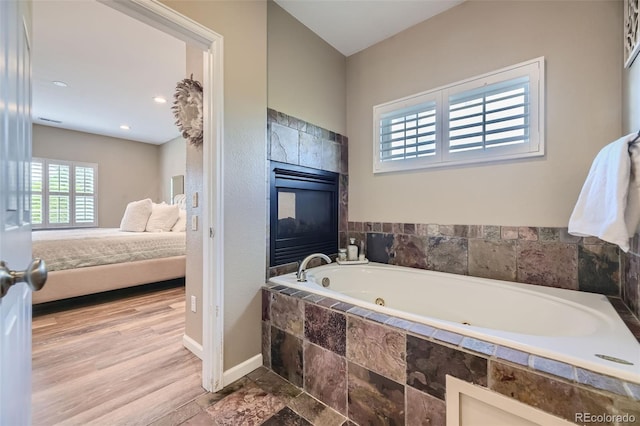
[(115, 363)]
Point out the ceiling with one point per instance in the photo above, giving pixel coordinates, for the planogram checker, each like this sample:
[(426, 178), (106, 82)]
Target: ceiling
[(353, 25), (114, 65)]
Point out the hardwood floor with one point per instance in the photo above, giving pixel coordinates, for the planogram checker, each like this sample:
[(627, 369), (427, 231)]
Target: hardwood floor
[(115, 363)]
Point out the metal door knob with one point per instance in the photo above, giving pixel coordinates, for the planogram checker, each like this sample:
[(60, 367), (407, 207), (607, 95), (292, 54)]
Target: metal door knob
[(35, 276)]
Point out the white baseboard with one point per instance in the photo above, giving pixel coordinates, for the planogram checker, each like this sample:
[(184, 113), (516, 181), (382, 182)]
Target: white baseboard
[(242, 369), (192, 345)]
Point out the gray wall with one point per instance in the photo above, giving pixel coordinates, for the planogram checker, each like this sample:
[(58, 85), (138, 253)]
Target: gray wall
[(173, 162), (127, 170), (243, 26), (306, 76), (582, 44)]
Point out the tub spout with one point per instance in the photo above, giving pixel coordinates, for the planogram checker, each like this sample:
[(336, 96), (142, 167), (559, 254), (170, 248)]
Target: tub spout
[(301, 275)]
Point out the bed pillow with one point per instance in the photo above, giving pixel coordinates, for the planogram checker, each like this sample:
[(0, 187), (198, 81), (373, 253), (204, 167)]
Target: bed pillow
[(163, 217), (136, 216), (181, 224)]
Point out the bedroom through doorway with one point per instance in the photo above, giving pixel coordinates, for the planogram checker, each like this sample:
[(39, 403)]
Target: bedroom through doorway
[(202, 205)]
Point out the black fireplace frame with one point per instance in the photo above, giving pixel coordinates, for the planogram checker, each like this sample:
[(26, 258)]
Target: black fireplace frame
[(288, 176)]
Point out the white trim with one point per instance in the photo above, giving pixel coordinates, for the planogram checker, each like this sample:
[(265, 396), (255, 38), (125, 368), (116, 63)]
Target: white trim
[(171, 22), (192, 346), (491, 402), (242, 369)]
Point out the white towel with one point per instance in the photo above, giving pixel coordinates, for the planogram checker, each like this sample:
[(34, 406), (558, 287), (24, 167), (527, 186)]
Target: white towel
[(609, 204)]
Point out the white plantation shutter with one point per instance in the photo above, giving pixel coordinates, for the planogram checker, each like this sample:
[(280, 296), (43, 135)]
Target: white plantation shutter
[(84, 194), (408, 134), (64, 194), (37, 200), (496, 116)]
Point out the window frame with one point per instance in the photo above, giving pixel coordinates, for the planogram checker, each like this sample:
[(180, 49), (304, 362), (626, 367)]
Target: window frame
[(535, 147), (73, 194)]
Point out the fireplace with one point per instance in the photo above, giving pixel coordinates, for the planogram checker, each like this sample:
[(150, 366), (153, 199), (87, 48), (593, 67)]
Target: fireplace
[(303, 212)]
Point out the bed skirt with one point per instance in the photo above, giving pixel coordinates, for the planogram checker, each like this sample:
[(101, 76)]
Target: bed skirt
[(95, 279)]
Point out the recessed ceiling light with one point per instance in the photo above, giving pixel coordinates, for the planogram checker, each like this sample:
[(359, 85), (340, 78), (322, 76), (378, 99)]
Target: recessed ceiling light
[(60, 83), (125, 127), (160, 100)]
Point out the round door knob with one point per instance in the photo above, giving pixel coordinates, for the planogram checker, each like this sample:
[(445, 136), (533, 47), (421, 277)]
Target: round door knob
[(35, 276)]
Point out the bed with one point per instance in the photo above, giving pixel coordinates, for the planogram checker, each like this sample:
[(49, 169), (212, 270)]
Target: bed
[(93, 260)]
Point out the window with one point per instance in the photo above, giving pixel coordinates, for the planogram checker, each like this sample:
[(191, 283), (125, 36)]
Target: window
[(63, 194), (496, 116)]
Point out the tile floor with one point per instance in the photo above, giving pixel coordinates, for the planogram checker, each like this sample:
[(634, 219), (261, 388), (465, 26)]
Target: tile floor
[(260, 398)]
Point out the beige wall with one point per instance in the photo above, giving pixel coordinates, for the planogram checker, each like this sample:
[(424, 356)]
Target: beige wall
[(194, 184), (306, 76), (127, 170), (581, 42), (631, 98), (173, 162), (243, 26)]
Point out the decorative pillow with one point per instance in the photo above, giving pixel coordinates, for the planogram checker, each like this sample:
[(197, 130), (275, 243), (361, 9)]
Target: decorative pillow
[(136, 216), (181, 224), (163, 217)]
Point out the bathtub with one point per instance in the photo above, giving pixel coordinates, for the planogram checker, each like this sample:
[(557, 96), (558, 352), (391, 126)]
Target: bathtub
[(577, 328)]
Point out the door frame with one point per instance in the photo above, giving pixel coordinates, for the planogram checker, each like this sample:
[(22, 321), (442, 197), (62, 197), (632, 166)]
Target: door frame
[(171, 22)]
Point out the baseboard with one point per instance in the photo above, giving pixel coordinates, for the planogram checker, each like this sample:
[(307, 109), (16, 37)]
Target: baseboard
[(242, 369), (192, 346)]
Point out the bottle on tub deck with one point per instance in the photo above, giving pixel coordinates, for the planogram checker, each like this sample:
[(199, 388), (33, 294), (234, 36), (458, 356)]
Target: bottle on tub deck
[(352, 250)]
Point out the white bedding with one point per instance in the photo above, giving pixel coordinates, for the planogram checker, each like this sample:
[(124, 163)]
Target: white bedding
[(79, 248)]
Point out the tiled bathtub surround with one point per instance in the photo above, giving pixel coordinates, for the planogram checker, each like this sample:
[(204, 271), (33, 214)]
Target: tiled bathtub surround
[(542, 256), (630, 277), (378, 369), (294, 141)]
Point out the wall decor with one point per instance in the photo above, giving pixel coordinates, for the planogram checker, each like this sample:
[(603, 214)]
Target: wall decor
[(187, 108), (631, 39)]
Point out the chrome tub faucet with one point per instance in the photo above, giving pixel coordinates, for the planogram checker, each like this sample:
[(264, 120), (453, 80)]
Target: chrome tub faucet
[(301, 275)]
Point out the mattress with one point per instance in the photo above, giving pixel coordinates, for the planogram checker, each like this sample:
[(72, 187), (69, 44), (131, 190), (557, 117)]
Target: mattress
[(79, 248)]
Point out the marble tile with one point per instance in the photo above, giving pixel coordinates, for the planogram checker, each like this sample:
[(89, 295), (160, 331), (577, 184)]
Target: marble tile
[(409, 250), (509, 232), (374, 399), (387, 227), (266, 305), (208, 399), (377, 348), (250, 406), (287, 313), (286, 356), (410, 228), (599, 269), (554, 396), (379, 247), (343, 205), (286, 417), (326, 328), (448, 337), (448, 254), (493, 259), (600, 382), (424, 409), (548, 234), (491, 232), (266, 344), (274, 384), (550, 264), (284, 144), (310, 153), (315, 412), (552, 366), (513, 355), (325, 376), (331, 153), (344, 159), (528, 233), (478, 346), (428, 363)]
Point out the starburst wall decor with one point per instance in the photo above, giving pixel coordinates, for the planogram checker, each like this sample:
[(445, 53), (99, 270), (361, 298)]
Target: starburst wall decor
[(631, 33), (187, 108)]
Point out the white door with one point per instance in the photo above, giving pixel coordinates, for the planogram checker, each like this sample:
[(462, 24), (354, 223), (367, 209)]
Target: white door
[(15, 235)]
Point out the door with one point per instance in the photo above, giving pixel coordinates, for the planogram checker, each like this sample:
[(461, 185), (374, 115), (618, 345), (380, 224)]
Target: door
[(15, 229)]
